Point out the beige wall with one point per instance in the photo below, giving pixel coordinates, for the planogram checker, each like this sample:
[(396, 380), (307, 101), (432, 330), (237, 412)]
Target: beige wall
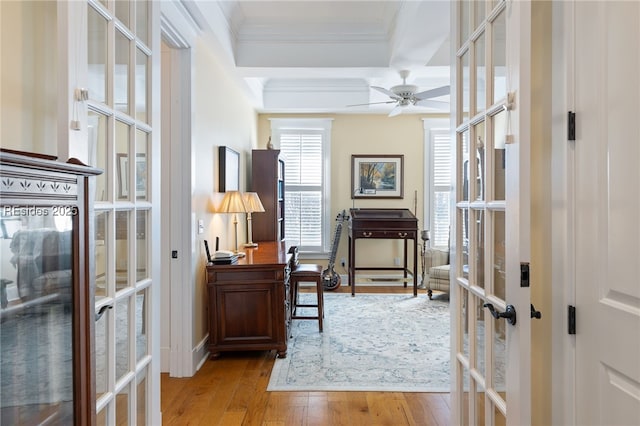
[(28, 76), (221, 116), (363, 135)]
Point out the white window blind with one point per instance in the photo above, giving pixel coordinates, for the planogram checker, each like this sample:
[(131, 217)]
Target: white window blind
[(440, 187), (304, 147), (302, 151)]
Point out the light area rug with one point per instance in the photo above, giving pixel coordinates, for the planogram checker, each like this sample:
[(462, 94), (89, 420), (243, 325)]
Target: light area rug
[(371, 342)]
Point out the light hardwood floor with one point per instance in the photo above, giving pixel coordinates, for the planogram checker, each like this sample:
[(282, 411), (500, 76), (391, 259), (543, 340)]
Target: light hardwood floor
[(232, 391)]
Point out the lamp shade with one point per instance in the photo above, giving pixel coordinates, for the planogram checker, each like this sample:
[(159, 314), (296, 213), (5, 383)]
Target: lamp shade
[(252, 202), (233, 203)]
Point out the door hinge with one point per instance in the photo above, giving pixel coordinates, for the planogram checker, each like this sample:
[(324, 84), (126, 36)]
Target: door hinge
[(571, 126), (571, 319), (524, 274)]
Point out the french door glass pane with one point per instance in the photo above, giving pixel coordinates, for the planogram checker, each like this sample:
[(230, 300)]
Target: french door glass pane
[(101, 417), (121, 75), (480, 332), (142, 169), (122, 159), (499, 354), (466, 86), (142, 17), (480, 171), (464, 321), (122, 250), (97, 134), (464, 164), (498, 57), (465, 19), (141, 325), (142, 397), (142, 68), (499, 281), (121, 311), (479, 12), (498, 417), (142, 271), (123, 11), (499, 159), (122, 406), (481, 74), (101, 253), (465, 396), (465, 243), (478, 220), (480, 405), (102, 366), (97, 55)]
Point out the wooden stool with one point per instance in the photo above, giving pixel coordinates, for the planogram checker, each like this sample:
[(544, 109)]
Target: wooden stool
[(307, 273)]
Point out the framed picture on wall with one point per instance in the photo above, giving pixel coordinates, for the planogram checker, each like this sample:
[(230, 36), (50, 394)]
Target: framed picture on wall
[(377, 176), (140, 175), (229, 169)]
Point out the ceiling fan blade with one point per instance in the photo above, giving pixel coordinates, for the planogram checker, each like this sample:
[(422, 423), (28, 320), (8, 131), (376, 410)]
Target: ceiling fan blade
[(430, 103), (373, 103), (386, 92), (433, 93), (396, 111)]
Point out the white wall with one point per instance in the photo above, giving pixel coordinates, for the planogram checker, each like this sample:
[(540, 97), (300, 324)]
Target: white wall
[(221, 116), (28, 76)]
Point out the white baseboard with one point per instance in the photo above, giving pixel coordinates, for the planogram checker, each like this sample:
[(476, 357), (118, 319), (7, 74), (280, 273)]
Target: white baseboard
[(200, 353)]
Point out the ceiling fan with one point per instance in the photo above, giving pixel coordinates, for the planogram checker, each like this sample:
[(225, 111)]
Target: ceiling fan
[(405, 94)]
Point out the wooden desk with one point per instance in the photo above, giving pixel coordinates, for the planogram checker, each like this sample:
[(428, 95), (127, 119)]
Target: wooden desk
[(383, 224), (249, 302)]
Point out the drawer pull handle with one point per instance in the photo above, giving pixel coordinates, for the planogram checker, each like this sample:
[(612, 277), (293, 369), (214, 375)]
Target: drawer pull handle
[(402, 234), (367, 234)]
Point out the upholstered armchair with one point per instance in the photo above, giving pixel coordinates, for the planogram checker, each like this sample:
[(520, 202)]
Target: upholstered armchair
[(437, 266)]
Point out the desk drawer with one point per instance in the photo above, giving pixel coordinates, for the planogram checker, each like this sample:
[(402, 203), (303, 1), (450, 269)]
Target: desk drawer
[(385, 234), (248, 274)]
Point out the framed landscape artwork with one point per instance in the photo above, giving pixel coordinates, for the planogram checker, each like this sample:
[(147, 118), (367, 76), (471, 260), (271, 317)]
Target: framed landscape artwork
[(377, 176)]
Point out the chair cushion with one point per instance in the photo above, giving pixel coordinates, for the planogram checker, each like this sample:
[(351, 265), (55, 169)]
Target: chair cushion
[(439, 277)]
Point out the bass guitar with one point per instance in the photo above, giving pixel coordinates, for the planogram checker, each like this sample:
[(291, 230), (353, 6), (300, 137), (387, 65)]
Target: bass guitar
[(330, 278)]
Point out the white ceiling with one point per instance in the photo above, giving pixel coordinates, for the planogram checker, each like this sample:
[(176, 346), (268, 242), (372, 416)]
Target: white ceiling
[(320, 56)]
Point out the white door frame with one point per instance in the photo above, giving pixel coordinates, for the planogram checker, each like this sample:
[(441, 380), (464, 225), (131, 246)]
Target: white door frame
[(563, 214), (177, 277)]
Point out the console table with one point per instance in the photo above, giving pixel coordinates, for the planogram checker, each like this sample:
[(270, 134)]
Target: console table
[(249, 301), (383, 224)]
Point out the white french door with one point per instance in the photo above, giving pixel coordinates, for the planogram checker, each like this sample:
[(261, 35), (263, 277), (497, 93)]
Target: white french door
[(491, 365), (122, 142), (607, 180)]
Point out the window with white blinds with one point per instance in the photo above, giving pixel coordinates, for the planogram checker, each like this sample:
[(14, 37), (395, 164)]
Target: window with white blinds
[(305, 152), (440, 141)]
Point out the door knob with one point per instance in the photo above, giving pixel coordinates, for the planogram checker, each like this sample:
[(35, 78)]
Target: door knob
[(509, 314)]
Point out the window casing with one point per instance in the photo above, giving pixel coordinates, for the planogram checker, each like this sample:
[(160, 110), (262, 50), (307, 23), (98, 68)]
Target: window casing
[(305, 146)]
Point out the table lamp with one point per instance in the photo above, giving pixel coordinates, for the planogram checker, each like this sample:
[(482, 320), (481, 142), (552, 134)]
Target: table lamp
[(233, 203), (254, 205)]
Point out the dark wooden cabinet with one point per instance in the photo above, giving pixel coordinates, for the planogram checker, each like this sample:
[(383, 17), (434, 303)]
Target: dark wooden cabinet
[(249, 302), (268, 181), (47, 312)]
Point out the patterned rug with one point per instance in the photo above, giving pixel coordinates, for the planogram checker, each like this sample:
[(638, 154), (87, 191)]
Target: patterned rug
[(371, 342)]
